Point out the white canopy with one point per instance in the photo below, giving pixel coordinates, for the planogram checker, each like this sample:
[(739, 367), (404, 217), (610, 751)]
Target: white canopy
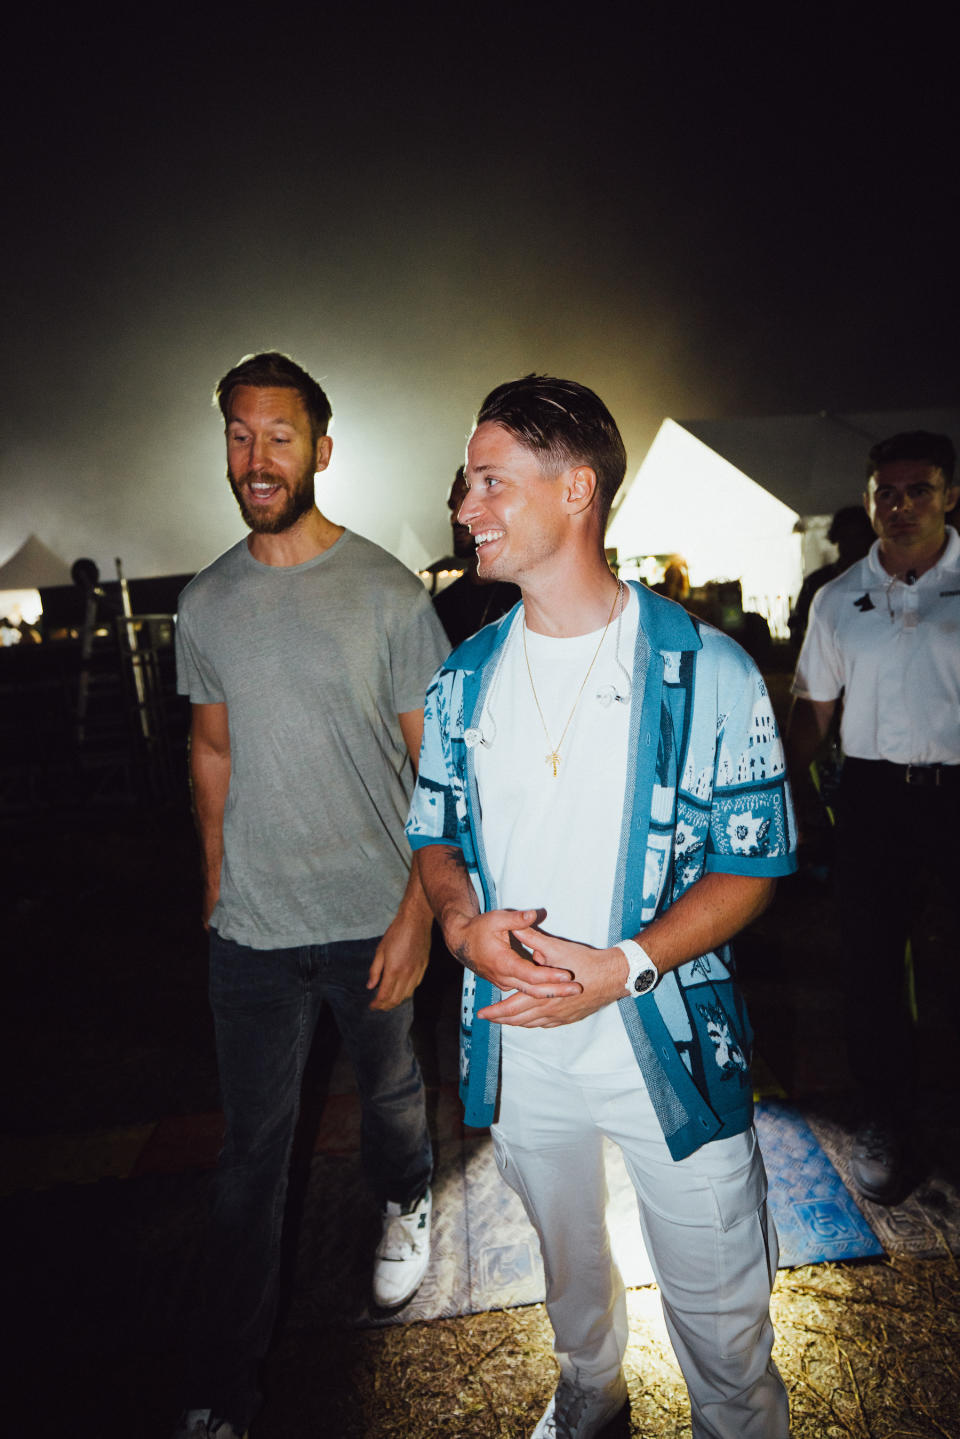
[(688, 500), (32, 567), (750, 498), (814, 463)]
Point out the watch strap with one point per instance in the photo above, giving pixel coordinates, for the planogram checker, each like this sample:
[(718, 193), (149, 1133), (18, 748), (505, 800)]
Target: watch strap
[(642, 973)]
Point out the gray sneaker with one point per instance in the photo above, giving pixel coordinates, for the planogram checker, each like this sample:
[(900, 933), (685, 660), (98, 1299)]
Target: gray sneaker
[(204, 1424), (578, 1413)]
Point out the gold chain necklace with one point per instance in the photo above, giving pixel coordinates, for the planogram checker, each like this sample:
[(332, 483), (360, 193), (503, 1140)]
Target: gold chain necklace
[(553, 758)]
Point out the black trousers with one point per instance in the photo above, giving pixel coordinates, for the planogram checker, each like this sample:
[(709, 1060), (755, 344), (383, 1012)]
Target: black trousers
[(896, 843)]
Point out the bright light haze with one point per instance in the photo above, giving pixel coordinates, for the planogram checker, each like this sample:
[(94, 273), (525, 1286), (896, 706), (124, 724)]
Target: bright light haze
[(689, 220)]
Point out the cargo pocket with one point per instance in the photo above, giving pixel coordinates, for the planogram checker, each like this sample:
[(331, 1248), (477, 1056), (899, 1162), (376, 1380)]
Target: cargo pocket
[(741, 1192)]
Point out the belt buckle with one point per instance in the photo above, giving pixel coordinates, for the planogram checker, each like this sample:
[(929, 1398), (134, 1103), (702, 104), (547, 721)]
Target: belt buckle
[(923, 774)]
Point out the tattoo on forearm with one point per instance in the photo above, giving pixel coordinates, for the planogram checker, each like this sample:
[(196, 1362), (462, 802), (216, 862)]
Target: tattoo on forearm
[(456, 861)]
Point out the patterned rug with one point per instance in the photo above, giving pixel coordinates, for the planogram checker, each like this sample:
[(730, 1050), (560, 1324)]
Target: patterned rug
[(485, 1255), (101, 1234)]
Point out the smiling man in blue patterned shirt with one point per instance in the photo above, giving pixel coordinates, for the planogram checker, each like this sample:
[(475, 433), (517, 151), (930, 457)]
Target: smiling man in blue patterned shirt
[(601, 805)]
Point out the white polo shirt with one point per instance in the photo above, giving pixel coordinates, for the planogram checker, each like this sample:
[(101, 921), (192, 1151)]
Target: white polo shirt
[(892, 650)]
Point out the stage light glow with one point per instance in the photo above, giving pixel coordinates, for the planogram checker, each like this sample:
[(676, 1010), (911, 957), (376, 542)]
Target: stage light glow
[(20, 606)]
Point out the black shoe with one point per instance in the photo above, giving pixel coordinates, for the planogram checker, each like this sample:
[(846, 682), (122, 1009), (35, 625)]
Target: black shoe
[(876, 1162), (204, 1424)]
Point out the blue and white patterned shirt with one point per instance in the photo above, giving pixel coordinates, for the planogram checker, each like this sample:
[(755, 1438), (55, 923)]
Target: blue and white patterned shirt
[(706, 792)]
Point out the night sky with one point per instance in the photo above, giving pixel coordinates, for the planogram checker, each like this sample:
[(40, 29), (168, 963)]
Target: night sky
[(695, 216)]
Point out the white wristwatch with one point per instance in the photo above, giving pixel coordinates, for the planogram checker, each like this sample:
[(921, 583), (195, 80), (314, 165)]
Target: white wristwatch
[(642, 973)]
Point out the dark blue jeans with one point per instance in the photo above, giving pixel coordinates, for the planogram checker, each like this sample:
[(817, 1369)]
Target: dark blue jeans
[(265, 1007)]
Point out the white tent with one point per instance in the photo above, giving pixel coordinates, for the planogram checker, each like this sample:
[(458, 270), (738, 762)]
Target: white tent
[(814, 463), (687, 499), (751, 498), (32, 567)]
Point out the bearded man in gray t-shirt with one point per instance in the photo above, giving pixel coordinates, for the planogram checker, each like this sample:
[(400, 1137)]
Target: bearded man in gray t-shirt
[(306, 652)]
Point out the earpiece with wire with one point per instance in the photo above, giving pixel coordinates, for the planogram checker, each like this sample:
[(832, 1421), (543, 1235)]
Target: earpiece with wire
[(609, 694)]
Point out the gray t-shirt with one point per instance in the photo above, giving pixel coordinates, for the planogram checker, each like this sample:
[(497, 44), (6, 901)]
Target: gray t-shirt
[(314, 662)]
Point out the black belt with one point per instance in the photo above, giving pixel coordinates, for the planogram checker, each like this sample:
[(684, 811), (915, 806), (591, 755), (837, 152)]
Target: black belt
[(923, 775)]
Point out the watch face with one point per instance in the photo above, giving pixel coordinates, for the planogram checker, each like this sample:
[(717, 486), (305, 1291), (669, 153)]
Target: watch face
[(645, 980)]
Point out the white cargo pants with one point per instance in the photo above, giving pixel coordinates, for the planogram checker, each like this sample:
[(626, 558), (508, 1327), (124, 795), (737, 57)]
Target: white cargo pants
[(704, 1221)]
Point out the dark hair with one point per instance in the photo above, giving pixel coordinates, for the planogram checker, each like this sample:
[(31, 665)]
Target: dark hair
[(273, 371), (458, 479), (566, 424), (915, 445), (850, 519)]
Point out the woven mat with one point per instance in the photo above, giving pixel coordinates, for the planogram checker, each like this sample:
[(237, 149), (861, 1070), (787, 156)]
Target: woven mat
[(485, 1255), (111, 1264)]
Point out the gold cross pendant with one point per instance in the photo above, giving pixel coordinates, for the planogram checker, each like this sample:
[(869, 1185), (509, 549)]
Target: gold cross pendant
[(554, 759)]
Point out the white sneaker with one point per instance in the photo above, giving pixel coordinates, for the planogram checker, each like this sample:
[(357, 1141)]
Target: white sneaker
[(402, 1254), (578, 1413)]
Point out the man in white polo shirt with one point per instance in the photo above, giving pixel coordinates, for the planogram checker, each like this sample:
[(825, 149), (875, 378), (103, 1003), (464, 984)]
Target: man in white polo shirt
[(601, 805), (885, 637)]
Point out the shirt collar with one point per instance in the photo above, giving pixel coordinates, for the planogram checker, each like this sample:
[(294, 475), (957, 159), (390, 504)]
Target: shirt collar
[(667, 626), (950, 559)]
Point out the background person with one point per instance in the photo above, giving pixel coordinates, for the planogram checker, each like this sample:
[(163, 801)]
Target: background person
[(470, 602), (885, 638), (852, 533)]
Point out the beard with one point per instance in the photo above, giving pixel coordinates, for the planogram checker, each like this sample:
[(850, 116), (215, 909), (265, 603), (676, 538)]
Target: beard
[(289, 507)]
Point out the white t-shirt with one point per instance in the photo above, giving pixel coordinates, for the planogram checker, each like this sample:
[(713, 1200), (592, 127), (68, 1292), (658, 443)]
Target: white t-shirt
[(893, 651), (552, 841)]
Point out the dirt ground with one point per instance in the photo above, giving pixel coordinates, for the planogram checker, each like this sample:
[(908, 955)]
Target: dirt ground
[(868, 1350), (106, 1024)]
